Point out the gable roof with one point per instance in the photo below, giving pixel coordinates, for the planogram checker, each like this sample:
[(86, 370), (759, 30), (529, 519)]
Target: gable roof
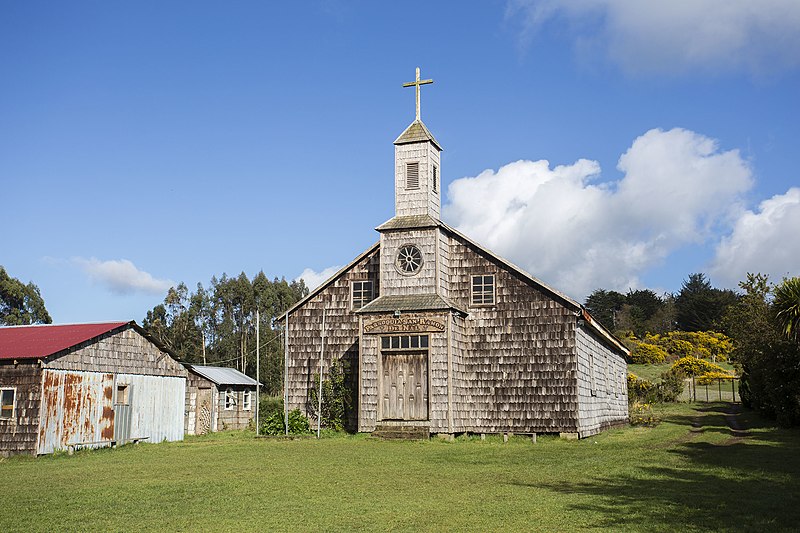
[(322, 286), (417, 132), (220, 375), (37, 342)]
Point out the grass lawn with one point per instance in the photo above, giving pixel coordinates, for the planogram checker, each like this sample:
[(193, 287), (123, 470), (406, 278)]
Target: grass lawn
[(674, 477)]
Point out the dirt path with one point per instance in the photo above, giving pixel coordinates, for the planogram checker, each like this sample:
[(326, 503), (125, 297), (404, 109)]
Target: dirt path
[(732, 417)]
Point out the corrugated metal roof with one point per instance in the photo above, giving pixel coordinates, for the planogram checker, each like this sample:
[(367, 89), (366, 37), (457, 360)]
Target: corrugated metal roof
[(417, 132), (412, 302), (36, 342), (221, 375)]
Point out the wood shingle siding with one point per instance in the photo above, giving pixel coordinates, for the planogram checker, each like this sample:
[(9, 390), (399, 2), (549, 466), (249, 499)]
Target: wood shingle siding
[(18, 435)]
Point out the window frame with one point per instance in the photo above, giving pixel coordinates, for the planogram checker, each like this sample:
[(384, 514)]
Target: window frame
[(353, 292), (388, 339), (483, 293), (13, 391), (247, 400), (230, 399)]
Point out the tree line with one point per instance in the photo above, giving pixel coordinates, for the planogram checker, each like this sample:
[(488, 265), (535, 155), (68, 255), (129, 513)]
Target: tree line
[(762, 320), (217, 325)]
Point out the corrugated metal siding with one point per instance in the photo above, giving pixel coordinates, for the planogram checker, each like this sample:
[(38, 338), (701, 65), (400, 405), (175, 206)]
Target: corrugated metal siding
[(157, 406), (76, 410)]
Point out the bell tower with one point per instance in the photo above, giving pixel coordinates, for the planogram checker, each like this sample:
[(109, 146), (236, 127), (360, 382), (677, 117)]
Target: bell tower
[(417, 167)]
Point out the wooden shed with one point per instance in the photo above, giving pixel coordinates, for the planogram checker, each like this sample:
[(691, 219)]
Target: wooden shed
[(218, 398), (441, 335), (86, 386)]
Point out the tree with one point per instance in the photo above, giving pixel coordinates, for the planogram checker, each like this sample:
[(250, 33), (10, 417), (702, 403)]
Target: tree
[(21, 304), (603, 305), (699, 306), (787, 307), (770, 363)]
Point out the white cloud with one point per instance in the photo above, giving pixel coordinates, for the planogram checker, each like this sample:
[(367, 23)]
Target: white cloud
[(764, 241), (121, 276), (315, 279), (675, 36), (569, 229)]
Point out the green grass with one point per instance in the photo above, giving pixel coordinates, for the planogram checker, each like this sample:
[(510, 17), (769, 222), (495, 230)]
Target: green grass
[(667, 478), (653, 372)]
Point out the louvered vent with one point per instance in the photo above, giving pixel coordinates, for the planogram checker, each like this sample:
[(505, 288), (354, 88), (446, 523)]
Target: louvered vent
[(435, 179), (412, 175)]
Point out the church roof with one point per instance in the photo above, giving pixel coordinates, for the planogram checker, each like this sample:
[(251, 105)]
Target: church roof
[(408, 302), (417, 132), (409, 222)]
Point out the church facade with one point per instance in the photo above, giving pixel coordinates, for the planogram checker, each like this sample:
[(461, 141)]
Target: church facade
[(440, 333)]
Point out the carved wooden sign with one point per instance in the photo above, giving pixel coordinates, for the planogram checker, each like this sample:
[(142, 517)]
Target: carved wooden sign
[(404, 324)]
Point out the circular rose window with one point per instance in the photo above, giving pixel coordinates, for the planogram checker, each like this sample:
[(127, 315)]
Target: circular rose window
[(409, 259)]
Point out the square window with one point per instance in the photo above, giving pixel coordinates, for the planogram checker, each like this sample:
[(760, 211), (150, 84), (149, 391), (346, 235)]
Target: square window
[(7, 403), (423, 341), (483, 290), (405, 342), (385, 342), (395, 342), (361, 293), (123, 394)]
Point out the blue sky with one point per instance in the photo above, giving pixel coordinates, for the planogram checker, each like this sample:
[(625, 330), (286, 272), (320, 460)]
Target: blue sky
[(594, 143)]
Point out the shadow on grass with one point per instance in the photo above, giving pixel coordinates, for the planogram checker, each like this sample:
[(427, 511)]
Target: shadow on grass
[(750, 483)]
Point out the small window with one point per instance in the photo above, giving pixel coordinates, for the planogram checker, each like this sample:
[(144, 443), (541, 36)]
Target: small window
[(230, 399), (123, 394), (7, 403), (362, 293), (435, 178), (246, 400), (412, 175), (404, 342), (483, 290)]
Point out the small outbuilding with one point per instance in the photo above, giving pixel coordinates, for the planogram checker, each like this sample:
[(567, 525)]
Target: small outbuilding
[(86, 386), (218, 398)]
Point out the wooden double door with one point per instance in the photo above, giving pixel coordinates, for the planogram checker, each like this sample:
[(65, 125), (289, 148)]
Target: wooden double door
[(404, 385)]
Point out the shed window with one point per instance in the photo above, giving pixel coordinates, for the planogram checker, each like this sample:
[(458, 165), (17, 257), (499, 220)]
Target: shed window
[(435, 178), (412, 175), (7, 403), (123, 394), (246, 400), (483, 290), (362, 293), (230, 399)]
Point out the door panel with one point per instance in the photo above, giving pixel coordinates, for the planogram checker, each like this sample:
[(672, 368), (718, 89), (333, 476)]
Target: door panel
[(405, 386)]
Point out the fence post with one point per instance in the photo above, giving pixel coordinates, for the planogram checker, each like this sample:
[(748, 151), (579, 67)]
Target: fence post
[(694, 390), (733, 389), (719, 386), (706, 392)]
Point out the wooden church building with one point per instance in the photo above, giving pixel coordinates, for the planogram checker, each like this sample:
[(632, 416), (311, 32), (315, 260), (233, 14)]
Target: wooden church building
[(445, 335)]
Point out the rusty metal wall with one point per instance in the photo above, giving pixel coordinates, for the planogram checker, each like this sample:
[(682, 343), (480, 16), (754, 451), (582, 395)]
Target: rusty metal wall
[(76, 410), (157, 406)]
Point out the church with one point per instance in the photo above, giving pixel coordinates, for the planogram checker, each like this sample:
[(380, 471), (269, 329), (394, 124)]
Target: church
[(441, 336)]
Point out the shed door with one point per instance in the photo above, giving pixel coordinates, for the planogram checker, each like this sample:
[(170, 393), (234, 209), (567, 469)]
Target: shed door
[(203, 412), (123, 412), (405, 386)]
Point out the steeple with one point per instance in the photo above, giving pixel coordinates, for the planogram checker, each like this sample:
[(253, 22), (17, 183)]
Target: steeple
[(417, 173)]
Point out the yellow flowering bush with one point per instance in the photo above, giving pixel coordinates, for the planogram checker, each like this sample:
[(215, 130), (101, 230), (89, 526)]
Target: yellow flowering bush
[(644, 353), (693, 366)]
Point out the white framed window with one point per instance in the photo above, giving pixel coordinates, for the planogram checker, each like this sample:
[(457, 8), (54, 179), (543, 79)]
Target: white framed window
[(7, 403), (483, 292), (412, 175), (247, 400), (592, 386), (435, 178), (230, 399), (361, 293)]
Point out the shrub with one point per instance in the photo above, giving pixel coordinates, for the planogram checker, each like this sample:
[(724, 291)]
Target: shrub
[(644, 391), (711, 377), (645, 353), (298, 423), (671, 386), (639, 390), (641, 414), (693, 366)]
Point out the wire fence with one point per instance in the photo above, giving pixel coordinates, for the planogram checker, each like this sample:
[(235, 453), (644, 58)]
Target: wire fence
[(710, 390)]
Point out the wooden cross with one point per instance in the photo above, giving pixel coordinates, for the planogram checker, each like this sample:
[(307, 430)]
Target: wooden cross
[(417, 84)]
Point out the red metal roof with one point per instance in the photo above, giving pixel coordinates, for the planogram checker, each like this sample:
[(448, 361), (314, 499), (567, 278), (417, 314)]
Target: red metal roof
[(35, 342)]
